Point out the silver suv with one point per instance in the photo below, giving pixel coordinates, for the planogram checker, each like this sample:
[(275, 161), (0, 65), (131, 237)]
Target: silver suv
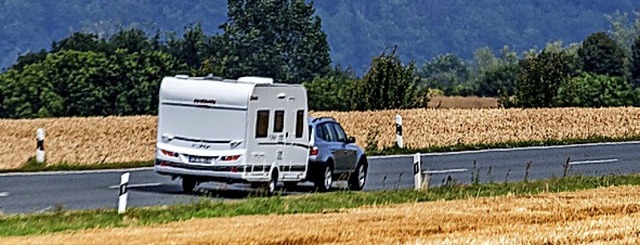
[(334, 156)]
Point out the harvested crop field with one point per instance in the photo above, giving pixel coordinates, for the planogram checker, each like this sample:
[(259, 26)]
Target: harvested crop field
[(99, 140), (607, 215)]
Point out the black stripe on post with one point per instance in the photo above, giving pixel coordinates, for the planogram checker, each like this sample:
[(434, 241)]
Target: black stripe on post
[(40, 145), (415, 168), (398, 129), (123, 189)]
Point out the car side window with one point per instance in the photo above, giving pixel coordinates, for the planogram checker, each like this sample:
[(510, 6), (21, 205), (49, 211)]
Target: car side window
[(340, 135), (321, 132), (330, 134)]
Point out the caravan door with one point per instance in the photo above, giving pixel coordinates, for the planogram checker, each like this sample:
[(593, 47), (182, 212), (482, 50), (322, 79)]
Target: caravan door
[(295, 137)]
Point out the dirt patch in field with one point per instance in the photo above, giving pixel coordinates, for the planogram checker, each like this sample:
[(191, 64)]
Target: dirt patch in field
[(459, 102), (608, 215)]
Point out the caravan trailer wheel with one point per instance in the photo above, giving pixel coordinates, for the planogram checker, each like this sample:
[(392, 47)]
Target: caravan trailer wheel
[(271, 186)]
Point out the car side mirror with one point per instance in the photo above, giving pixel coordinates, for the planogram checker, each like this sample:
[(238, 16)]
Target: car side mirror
[(351, 139)]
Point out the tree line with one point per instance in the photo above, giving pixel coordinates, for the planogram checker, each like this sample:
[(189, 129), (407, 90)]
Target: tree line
[(88, 75)]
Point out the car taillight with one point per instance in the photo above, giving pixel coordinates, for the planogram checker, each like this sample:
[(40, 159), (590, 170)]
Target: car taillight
[(313, 151), (230, 158), (169, 153)]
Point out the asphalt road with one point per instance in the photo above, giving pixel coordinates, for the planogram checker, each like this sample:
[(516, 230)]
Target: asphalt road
[(42, 192)]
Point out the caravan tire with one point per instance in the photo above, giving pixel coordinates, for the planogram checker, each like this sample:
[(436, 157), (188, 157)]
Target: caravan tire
[(188, 185), (325, 179), (273, 182)]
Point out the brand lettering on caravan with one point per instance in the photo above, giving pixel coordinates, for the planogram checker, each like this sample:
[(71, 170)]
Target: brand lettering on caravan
[(204, 101), (200, 146)]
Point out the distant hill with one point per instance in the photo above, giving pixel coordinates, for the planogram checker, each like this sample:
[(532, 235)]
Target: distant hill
[(357, 29)]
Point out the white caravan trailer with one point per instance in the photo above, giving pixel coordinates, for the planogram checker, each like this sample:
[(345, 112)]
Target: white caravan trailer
[(248, 130)]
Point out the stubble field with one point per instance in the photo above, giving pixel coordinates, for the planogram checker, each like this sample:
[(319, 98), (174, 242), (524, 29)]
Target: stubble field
[(103, 140), (601, 216)]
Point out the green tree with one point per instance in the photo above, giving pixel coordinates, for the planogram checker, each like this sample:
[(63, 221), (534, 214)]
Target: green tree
[(29, 58), (624, 29), (445, 72), (331, 92), (484, 58), (387, 85), (599, 54), (589, 90), (279, 39), (66, 83), (80, 41), (635, 62), (539, 79), (495, 76), (194, 47), (133, 40), (497, 81), (134, 80)]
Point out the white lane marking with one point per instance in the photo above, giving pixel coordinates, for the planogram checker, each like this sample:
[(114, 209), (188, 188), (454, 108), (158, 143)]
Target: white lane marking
[(446, 171), (137, 185), (598, 161), (4, 194), (510, 149), (76, 172)]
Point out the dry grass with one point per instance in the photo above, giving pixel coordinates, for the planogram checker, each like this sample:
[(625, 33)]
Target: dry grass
[(459, 102), (430, 127), (606, 215), (94, 140), (99, 140)]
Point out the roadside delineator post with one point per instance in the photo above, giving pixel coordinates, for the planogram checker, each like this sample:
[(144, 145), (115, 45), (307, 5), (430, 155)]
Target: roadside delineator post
[(399, 141), (122, 204), (40, 145), (417, 172)]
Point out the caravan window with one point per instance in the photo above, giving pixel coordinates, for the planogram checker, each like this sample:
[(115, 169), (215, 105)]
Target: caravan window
[(262, 124), (299, 123), (278, 122)]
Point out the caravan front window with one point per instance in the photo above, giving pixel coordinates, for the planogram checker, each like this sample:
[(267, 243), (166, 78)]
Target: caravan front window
[(278, 122), (299, 123), (262, 124)]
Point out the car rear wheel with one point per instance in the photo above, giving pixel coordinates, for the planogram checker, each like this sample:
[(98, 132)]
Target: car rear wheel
[(324, 181)]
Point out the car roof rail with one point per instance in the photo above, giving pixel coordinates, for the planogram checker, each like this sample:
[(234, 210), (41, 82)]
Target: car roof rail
[(321, 118)]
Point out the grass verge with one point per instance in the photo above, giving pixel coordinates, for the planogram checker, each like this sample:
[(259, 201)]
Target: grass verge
[(62, 220), (33, 166)]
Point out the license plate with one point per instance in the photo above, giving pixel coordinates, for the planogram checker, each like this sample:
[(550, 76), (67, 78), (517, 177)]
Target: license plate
[(201, 160)]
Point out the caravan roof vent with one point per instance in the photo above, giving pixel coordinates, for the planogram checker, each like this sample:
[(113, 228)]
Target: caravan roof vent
[(260, 80), (182, 76), (212, 77)]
